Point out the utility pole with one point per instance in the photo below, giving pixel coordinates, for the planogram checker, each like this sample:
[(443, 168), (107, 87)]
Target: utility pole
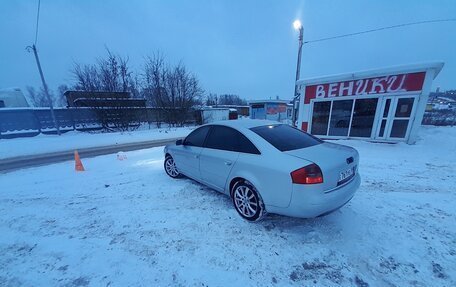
[(298, 26), (46, 91), (45, 87)]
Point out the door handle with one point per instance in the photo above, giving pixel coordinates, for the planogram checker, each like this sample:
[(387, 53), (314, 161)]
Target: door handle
[(196, 156), (228, 163)]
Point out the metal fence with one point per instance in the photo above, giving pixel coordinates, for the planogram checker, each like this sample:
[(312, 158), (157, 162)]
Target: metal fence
[(27, 122)]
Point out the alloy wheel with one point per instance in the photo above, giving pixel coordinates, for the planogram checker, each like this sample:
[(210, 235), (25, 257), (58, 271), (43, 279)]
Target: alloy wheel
[(245, 200), (170, 167)]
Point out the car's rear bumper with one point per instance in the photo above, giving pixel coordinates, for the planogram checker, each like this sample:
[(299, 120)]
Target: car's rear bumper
[(308, 203)]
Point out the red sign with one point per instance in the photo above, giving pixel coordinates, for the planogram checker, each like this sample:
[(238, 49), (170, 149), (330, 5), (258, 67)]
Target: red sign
[(274, 108), (380, 85)]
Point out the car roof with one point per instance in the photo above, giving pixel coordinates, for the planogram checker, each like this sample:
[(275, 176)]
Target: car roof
[(245, 123)]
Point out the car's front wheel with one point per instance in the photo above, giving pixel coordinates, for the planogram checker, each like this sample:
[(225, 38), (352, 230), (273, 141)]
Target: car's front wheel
[(170, 167), (247, 201)]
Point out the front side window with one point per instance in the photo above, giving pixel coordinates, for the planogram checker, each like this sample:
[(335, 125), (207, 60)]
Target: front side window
[(2, 104), (197, 137), (285, 137), (225, 138)]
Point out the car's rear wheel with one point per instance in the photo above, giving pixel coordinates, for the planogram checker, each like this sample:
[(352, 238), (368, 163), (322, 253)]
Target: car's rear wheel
[(247, 201), (170, 167)]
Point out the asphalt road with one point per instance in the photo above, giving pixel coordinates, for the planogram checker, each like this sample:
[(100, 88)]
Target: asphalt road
[(14, 163)]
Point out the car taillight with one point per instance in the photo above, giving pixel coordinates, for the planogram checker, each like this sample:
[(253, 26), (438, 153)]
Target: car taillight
[(309, 174)]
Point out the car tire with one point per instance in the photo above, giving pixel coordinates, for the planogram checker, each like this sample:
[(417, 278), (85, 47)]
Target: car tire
[(170, 167), (247, 201)]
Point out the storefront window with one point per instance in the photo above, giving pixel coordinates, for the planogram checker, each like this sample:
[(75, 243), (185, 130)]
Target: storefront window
[(320, 117), (363, 117), (399, 128), (340, 118), (404, 107)]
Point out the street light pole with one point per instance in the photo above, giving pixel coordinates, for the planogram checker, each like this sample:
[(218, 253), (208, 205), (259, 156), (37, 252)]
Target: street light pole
[(46, 91), (298, 26)]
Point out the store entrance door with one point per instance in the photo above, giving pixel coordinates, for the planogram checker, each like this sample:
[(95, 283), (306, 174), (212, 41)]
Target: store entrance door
[(395, 116)]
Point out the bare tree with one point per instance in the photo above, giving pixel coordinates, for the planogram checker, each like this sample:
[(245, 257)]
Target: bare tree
[(173, 90), (154, 78), (60, 97), (230, 99), (212, 100), (110, 74), (38, 97), (87, 78)]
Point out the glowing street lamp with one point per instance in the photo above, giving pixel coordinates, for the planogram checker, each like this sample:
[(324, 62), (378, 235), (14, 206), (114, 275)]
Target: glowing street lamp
[(297, 25)]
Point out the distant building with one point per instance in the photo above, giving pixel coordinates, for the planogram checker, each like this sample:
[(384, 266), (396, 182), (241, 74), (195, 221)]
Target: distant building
[(241, 110), (212, 114), (12, 98), (275, 110)]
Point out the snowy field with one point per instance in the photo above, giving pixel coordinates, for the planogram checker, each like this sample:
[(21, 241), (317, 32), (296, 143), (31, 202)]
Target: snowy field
[(125, 223), (77, 140)]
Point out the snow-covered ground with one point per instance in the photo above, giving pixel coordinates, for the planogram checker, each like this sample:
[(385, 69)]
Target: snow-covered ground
[(77, 140), (125, 223)]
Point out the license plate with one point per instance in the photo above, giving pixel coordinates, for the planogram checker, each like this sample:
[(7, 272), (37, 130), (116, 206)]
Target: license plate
[(346, 174)]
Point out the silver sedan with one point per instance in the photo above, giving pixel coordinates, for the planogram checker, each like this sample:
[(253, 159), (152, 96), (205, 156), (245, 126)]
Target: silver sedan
[(266, 166)]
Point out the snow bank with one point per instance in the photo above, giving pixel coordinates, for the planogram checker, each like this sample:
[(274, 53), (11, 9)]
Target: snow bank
[(77, 140), (125, 223)]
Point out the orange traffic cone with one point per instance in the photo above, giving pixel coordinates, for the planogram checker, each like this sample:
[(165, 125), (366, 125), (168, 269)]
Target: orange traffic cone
[(77, 162)]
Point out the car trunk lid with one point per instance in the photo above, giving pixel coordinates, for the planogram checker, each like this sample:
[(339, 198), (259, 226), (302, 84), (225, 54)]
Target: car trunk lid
[(337, 162)]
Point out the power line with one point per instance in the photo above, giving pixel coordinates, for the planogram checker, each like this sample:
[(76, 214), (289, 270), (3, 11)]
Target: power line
[(37, 20), (379, 29)]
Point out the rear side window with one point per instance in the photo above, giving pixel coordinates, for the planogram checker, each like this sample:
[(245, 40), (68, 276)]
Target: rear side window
[(285, 137), (225, 138), (2, 104), (197, 137)]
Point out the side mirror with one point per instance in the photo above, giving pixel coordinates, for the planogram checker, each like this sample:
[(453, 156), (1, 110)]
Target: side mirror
[(179, 142)]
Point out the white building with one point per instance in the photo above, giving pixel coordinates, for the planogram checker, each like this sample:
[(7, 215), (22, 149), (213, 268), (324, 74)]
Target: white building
[(12, 98), (274, 110), (380, 105), (211, 114)]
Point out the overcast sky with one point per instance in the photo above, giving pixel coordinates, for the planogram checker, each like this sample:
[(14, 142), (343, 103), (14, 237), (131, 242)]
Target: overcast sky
[(239, 47)]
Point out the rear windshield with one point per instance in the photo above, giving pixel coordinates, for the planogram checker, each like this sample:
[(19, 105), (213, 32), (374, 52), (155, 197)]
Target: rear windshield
[(285, 137)]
